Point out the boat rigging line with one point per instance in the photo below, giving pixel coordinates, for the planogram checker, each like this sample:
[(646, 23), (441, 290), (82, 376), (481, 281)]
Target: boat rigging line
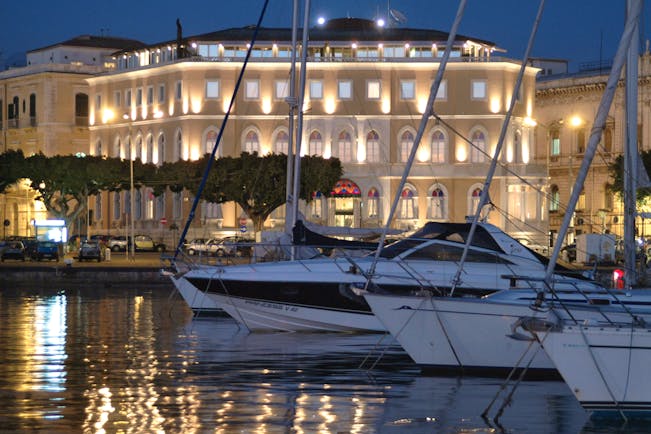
[(202, 185), (484, 198)]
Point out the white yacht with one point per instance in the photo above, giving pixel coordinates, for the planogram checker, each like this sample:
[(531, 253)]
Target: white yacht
[(322, 294)]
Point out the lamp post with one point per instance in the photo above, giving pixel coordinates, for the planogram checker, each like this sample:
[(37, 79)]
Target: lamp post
[(131, 246)]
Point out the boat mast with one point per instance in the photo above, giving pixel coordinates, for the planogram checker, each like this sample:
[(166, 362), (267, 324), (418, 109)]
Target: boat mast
[(296, 191), (291, 101), (631, 154)]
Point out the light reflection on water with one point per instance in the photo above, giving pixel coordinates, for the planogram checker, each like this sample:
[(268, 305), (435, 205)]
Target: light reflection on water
[(133, 361)]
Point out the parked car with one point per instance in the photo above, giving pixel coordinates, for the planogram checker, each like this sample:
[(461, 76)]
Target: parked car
[(199, 246), (46, 250), (145, 243), (30, 247), (13, 250), (117, 243), (91, 251), (100, 238), (239, 246)]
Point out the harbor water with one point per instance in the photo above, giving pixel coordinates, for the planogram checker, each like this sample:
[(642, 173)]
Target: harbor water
[(134, 360)]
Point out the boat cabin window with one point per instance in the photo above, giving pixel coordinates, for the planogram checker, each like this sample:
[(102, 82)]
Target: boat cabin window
[(443, 252)]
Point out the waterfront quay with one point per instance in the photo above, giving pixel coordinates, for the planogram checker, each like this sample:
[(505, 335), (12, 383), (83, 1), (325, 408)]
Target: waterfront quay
[(117, 270)]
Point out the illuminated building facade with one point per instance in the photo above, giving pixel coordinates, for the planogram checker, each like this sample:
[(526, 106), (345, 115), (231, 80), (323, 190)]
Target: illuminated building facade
[(44, 108), (366, 89), (566, 107)]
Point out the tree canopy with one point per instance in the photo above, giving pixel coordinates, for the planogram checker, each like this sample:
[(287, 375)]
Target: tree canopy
[(258, 184), (255, 183), (616, 169)]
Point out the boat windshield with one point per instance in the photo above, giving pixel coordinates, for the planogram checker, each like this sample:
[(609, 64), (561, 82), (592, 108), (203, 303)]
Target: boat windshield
[(452, 232)]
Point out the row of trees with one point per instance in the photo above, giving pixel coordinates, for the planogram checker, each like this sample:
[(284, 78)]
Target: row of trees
[(255, 183)]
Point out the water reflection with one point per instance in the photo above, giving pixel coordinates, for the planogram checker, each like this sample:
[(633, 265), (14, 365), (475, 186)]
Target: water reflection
[(133, 361)]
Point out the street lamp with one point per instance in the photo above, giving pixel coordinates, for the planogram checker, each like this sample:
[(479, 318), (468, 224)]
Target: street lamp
[(131, 247)]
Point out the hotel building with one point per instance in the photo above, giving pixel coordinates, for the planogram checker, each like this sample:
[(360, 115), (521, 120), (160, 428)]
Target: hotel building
[(366, 89)]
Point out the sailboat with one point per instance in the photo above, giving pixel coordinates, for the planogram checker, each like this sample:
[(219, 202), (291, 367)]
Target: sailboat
[(476, 335), (606, 365)]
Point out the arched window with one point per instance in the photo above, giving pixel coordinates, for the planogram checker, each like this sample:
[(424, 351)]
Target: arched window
[(407, 206), (117, 209), (438, 147), (177, 205), (281, 144), (127, 202), (373, 203), (316, 144), (179, 145), (117, 145), (473, 203), (137, 199), (127, 149), (149, 152), (345, 147), (406, 143), (555, 199), (478, 148), (438, 207), (160, 206), (139, 149), (251, 142), (161, 149), (209, 144), (149, 203), (372, 147)]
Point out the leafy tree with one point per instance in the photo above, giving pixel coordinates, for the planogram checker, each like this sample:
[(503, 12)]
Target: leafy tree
[(64, 183), (11, 167), (616, 169), (257, 184)]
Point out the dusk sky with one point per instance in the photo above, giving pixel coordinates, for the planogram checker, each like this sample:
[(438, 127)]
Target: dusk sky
[(576, 30)]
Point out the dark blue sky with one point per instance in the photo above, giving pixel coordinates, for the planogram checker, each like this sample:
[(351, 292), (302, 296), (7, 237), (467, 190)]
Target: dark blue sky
[(577, 30)]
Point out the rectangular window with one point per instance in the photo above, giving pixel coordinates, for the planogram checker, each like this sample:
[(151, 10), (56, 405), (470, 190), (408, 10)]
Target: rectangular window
[(316, 89), (150, 95), (373, 89), (127, 98), (98, 101), (478, 89), (344, 89), (281, 88), (212, 89), (179, 90), (139, 97), (117, 98), (252, 89), (407, 89), (442, 94), (161, 93)]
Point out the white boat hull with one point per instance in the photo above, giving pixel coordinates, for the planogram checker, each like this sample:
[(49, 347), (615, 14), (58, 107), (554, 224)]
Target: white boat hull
[(197, 300), (261, 315), (607, 368), (471, 335)]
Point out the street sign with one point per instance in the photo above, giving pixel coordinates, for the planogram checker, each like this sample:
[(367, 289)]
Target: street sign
[(163, 221), (243, 228)]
